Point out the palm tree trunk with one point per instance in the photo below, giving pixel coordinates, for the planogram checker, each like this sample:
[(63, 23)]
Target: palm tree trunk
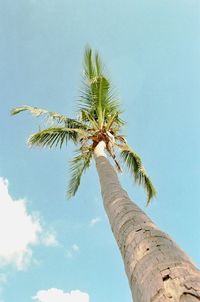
[(157, 269)]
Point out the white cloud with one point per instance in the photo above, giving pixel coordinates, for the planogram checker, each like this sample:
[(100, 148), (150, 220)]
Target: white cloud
[(95, 221), (58, 295), (19, 230)]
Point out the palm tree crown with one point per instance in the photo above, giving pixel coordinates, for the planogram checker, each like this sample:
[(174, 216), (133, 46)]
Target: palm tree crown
[(98, 120)]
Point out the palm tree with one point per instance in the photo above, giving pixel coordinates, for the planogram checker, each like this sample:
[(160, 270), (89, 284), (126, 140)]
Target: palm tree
[(157, 269)]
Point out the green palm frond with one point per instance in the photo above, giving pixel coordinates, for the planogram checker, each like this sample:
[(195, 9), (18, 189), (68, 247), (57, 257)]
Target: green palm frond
[(92, 67), (98, 64), (54, 137), (88, 118), (97, 98), (89, 69), (50, 116), (79, 164), (135, 166), (113, 120)]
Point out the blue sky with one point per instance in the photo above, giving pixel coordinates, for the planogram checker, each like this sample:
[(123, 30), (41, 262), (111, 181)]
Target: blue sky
[(54, 249)]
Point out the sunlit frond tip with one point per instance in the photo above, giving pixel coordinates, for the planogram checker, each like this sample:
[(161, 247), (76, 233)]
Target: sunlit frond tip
[(135, 166), (50, 116)]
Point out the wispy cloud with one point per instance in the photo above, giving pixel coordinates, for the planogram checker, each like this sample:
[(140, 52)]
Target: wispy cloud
[(3, 278), (94, 221), (19, 230), (49, 239), (75, 248), (58, 295), (3, 281), (72, 251)]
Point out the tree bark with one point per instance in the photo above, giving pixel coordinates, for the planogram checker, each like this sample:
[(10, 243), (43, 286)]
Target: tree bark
[(157, 269)]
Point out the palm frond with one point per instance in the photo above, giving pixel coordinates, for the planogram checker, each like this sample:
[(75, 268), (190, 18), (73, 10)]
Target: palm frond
[(121, 139), (88, 118), (92, 67), (135, 166), (50, 116), (54, 137), (113, 121), (97, 98), (98, 64), (89, 69), (112, 154), (79, 164)]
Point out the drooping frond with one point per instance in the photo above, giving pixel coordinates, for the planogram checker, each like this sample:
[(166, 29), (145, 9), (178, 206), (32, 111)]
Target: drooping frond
[(135, 166), (79, 164), (110, 150), (54, 137), (50, 116), (121, 138)]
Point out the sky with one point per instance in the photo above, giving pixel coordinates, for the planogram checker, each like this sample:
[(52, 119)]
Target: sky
[(52, 249)]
